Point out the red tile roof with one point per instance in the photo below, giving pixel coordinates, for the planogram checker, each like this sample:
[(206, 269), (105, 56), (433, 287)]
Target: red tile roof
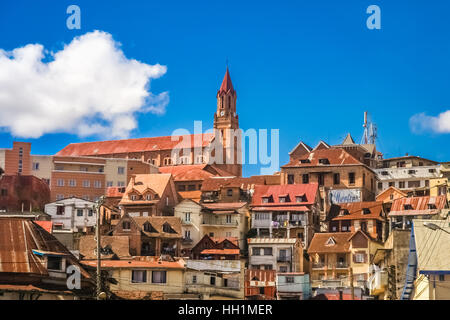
[(335, 156), (419, 205), (355, 210), (224, 205), (46, 225), (293, 190), (194, 172), (134, 145), (215, 183), (226, 86), (115, 192)]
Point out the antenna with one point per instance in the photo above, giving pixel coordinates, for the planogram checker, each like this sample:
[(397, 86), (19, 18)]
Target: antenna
[(370, 131)]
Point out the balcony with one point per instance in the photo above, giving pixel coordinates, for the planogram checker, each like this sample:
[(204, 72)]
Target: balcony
[(186, 222), (330, 283), (284, 259), (219, 221), (186, 241), (318, 265), (333, 265), (257, 223)]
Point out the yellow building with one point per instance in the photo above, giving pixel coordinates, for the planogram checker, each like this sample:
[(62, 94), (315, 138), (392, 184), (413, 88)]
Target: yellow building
[(335, 256), (144, 277), (433, 260), (441, 185)]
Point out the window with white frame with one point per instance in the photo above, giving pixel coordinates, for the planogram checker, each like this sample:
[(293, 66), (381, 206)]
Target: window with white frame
[(86, 183), (121, 170), (72, 183), (187, 216), (79, 212), (35, 166), (60, 182), (97, 184)]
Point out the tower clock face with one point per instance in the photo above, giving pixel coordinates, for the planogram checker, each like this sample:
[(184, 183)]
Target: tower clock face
[(222, 113)]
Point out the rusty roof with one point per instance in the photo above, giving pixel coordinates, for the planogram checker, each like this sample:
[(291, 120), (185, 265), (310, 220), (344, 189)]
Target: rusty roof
[(321, 242), (427, 205), (216, 183), (114, 246), (18, 238), (136, 145), (137, 262), (355, 210), (157, 222), (221, 251)]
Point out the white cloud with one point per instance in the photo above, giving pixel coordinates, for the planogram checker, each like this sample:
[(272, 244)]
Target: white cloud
[(87, 88), (422, 122)]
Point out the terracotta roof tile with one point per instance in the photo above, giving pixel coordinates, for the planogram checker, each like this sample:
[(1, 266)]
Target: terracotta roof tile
[(355, 210), (119, 246), (157, 222), (157, 182), (419, 205), (226, 85), (319, 242), (293, 190), (133, 145)]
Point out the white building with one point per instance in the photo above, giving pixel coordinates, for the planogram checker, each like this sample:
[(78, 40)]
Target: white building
[(409, 174), (280, 254), (74, 214)]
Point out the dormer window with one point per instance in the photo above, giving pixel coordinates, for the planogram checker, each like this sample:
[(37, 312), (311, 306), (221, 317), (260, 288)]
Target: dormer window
[(407, 207), (431, 206), (344, 212), (54, 263), (284, 198), (148, 197), (305, 161), (126, 225), (330, 242), (366, 211), (133, 197), (167, 228), (324, 161), (267, 199), (300, 198), (148, 227)]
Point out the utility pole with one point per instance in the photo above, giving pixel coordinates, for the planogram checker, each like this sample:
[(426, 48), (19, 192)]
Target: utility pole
[(352, 286), (98, 204)]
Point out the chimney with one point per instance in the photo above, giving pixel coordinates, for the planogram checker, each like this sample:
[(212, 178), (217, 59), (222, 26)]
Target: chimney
[(133, 180)]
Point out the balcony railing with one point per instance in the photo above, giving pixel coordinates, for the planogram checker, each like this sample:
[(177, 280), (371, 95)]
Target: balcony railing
[(186, 222), (221, 221), (283, 258), (186, 240), (335, 265)]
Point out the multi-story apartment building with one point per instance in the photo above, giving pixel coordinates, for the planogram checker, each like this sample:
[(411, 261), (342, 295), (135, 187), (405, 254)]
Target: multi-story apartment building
[(410, 174), (286, 211), (16, 160), (74, 214), (334, 256), (441, 185), (280, 254), (340, 176), (149, 195)]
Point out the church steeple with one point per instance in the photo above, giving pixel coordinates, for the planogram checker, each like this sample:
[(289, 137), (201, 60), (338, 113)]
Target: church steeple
[(226, 116)]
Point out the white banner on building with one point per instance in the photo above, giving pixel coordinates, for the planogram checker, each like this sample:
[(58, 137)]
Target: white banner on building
[(344, 196)]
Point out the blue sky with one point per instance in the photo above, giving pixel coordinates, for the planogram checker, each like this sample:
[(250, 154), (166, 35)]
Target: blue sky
[(308, 68)]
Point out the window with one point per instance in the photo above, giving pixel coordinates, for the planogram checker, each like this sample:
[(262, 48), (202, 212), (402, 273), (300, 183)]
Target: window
[(211, 234), (230, 192), (54, 263), (187, 216), (301, 198), (320, 179), (364, 179), (442, 277), (305, 178), (290, 179), (86, 183), (191, 187), (60, 182), (283, 269), (59, 196), (212, 281), (109, 184), (187, 234), (133, 197), (126, 225), (228, 234), (90, 212), (120, 170), (351, 178), (391, 184), (336, 178), (380, 185), (59, 210), (138, 276), (35, 166), (79, 212), (228, 218), (148, 197), (194, 279), (401, 184), (121, 184), (324, 161), (4, 192), (256, 251), (167, 161), (181, 188), (413, 184), (97, 184), (359, 257), (289, 279), (159, 276), (167, 228), (267, 251)]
